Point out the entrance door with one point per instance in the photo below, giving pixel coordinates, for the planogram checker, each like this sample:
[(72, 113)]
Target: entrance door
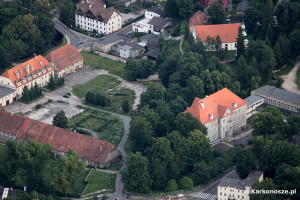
[(15, 99), (7, 102)]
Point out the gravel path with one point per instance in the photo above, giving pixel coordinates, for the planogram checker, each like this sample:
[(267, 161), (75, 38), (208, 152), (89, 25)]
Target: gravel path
[(289, 80)]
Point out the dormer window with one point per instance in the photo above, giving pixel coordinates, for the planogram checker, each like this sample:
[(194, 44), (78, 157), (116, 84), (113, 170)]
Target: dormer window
[(235, 105), (17, 74), (21, 72), (202, 105), (100, 18), (211, 117), (80, 12)]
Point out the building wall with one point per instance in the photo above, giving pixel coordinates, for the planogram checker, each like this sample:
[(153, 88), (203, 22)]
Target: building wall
[(6, 136), (251, 108), (88, 24), (230, 46), (150, 15), (105, 48), (124, 53), (10, 98), (279, 103), (227, 126), (225, 192), (140, 26), (67, 70)]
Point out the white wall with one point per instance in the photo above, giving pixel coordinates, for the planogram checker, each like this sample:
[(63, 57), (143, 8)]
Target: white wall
[(124, 53), (150, 15), (142, 26)]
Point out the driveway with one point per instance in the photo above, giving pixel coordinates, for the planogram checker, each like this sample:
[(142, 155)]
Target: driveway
[(289, 83)]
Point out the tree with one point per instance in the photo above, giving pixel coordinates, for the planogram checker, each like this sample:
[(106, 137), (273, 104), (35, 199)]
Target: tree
[(3, 58), (186, 8), (60, 120), (140, 134), (244, 163), (138, 69), (33, 195), (240, 44), (177, 105), (90, 97), (66, 171), (136, 176), (67, 10), (154, 92), (258, 145), (171, 185), (266, 184), (26, 96), (252, 16), (217, 13), (51, 84), (186, 183), (186, 123), (195, 87), (22, 36), (202, 171), (126, 106), (171, 8)]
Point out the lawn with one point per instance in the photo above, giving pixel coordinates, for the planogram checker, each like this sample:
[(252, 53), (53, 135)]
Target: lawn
[(114, 167), (79, 184), (114, 67), (285, 70), (186, 46), (298, 78), (106, 85), (100, 180), (231, 55), (108, 126)]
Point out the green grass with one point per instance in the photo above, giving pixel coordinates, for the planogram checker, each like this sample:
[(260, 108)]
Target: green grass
[(185, 46), (108, 126), (231, 55), (79, 184), (100, 180), (114, 167), (114, 67), (106, 85), (298, 78), (285, 70)]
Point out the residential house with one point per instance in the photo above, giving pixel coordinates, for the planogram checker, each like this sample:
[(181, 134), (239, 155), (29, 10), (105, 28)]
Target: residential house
[(34, 71), (65, 60), (153, 21), (253, 102), (228, 34), (198, 18), (242, 7), (278, 97), (92, 15), (91, 150), (238, 189), (128, 49), (223, 113), (105, 43), (152, 48), (7, 95)]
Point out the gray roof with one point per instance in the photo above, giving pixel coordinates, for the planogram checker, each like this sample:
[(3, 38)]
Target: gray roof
[(4, 91), (126, 47), (156, 9), (279, 94), (109, 39), (242, 7), (153, 53), (150, 37), (159, 22), (241, 183), (252, 99)]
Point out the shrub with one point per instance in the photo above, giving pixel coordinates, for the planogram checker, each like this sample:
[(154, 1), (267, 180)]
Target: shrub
[(186, 183), (126, 106), (171, 185), (38, 106)]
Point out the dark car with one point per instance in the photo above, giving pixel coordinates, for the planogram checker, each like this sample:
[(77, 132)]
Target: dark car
[(127, 195), (80, 42), (66, 96)]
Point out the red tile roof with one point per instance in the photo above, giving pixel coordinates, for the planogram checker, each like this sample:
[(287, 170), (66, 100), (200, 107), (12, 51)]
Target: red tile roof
[(60, 139), (218, 105), (199, 18), (64, 57), (35, 66), (227, 32)]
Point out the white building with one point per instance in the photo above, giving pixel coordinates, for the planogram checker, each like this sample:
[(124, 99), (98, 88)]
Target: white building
[(235, 188), (253, 102), (92, 15), (223, 113)]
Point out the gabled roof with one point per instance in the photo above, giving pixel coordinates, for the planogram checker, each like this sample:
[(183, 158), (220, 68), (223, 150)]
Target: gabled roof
[(34, 66), (150, 37), (199, 18), (60, 139), (97, 8), (159, 22), (108, 39), (217, 105), (156, 9), (4, 91), (227, 32), (242, 6), (64, 57)]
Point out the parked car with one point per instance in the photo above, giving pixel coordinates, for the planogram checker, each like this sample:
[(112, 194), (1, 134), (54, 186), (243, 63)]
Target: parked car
[(130, 19), (66, 96), (127, 195), (80, 42)]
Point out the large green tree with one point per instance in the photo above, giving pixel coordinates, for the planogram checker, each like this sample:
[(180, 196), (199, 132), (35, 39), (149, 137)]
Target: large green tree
[(186, 123), (136, 176), (199, 146), (67, 10), (60, 120), (217, 13), (244, 163)]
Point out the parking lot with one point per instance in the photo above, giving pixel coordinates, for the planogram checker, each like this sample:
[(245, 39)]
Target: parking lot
[(126, 16)]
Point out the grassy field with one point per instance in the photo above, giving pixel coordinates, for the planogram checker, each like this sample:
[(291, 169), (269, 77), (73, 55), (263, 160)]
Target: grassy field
[(79, 184), (114, 167), (100, 180), (231, 54), (285, 70), (298, 78), (114, 67), (109, 127), (106, 85)]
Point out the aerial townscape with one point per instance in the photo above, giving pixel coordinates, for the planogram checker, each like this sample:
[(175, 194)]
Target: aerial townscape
[(150, 99)]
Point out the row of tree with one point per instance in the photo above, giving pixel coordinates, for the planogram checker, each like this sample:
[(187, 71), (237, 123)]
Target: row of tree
[(55, 82), (97, 99), (31, 94), (139, 69), (33, 165)]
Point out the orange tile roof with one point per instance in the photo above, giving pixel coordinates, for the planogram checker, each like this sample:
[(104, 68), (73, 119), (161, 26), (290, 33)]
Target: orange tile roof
[(64, 57), (199, 18), (35, 65), (218, 105), (60, 139), (227, 32)]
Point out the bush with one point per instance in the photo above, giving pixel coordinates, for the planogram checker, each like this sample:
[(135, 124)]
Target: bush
[(126, 106), (98, 99), (186, 183), (172, 185), (139, 69), (38, 106)]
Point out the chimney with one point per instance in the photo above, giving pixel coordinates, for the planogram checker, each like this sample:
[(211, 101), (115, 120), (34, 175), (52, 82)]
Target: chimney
[(17, 74), (202, 105), (27, 68), (31, 67)]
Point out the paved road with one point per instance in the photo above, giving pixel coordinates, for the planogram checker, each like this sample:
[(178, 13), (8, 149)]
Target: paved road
[(289, 83)]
